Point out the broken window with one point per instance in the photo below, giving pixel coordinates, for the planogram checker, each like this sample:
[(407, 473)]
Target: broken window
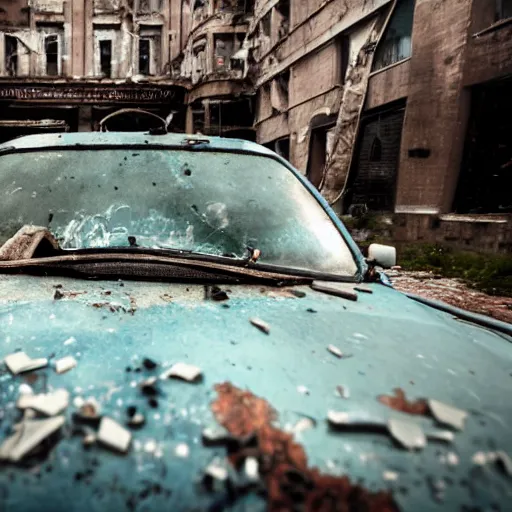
[(51, 48), (226, 55), (376, 150), (234, 6), (395, 44), (503, 9), (199, 60), (149, 51), (320, 145), (229, 115), (282, 14), (11, 55), (144, 56), (343, 48), (372, 179), (200, 10), (149, 6), (485, 179), (279, 92), (106, 58), (198, 114), (266, 24)]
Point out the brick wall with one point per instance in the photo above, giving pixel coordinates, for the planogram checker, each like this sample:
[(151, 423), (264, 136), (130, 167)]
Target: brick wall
[(492, 235), (436, 110), (315, 74)]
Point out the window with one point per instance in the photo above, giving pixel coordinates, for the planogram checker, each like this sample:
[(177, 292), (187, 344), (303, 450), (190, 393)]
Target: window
[(395, 44), (11, 55), (343, 55), (150, 50), (283, 17), (376, 150), (144, 56), (266, 23), (51, 48), (503, 9), (106, 58)]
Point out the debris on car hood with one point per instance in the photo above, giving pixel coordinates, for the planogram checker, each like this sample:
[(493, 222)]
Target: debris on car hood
[(182, 371), (28, 435), (396, 343), (49, 404), (19, 362), (286, 472)]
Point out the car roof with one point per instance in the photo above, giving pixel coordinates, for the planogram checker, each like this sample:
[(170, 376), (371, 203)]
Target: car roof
[(129, 138)]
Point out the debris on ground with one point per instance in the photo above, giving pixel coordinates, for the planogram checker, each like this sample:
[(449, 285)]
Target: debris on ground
[(283, 462), (260, 324), (454, 292)]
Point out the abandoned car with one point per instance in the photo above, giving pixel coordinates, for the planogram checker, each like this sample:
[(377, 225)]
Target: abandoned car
[(185, 324)]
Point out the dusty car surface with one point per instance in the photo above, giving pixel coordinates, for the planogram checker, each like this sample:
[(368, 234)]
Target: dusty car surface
[(186, 325)]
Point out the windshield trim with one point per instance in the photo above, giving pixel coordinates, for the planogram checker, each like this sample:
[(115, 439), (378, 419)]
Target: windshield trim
[(352, 246)]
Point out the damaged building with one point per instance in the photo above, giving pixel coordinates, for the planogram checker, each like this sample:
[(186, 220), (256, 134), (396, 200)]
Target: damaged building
[(68, 65), (397, 107), (215, 59)]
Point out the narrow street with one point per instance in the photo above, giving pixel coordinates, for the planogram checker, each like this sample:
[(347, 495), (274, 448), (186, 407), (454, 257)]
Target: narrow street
[(454, 292)]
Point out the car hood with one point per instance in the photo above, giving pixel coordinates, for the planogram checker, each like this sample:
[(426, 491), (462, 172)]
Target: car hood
[(387, 340)]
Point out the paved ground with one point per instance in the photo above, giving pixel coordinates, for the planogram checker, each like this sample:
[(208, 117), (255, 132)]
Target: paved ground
[(454, 292)]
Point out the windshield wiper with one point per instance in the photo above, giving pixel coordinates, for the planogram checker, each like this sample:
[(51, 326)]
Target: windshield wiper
[(141, 265)]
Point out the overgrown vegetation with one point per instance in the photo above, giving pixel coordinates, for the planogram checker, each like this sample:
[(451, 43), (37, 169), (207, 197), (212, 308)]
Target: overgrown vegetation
[(490, 273)]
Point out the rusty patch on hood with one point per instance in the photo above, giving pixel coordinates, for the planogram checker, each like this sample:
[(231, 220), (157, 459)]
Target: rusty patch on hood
[(283, 462), (400, 403)]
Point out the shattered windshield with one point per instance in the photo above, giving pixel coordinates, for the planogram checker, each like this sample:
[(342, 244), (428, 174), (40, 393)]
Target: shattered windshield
[(214, 203)]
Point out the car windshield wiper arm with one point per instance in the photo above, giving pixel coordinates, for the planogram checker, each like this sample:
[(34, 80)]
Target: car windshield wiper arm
[(128, 262)]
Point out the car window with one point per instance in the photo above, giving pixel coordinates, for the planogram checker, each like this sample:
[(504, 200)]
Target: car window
[(210, 202)]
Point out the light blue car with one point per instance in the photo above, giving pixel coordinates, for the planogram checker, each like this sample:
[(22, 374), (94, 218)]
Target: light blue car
[(186, 325)]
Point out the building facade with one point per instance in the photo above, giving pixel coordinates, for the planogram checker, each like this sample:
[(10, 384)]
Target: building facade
[(401, 107), (66, 65), (392, 106), (215, 61)]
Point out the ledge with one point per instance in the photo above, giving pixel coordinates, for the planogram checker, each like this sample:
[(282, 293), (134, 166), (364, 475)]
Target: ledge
[(495, 26), (485, 218)]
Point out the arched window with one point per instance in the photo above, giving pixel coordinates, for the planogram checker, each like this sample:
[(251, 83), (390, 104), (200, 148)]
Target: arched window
[(376, 150)]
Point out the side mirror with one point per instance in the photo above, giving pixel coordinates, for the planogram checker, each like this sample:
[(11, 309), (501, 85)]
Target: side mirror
[(382, 255)]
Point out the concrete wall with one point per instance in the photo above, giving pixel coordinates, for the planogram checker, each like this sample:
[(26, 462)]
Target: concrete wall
[(492, 234), (388, 85), (14, 13), (81, 24)]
